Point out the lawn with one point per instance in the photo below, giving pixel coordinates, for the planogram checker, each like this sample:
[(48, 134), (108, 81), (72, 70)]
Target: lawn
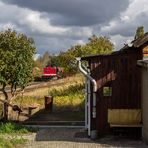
[(68, 94), (10, 135)]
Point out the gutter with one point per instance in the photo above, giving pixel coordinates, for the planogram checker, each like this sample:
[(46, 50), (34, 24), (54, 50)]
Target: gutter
[(143, 63), (85, 72)]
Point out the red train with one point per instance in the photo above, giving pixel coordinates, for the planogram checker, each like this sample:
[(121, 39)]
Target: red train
[(47, 73), (51, 72)]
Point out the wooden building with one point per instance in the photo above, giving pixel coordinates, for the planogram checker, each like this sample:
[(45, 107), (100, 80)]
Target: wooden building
[(116, 101), (144, 96)]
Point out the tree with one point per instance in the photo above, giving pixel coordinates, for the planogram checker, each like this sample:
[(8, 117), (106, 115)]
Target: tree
[(46, 59), (139, 32), (40, 63), (95, 45), (55, 61), (16, 62)]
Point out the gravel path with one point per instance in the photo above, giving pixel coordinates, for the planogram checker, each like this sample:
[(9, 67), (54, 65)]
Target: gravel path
[(76, 138)]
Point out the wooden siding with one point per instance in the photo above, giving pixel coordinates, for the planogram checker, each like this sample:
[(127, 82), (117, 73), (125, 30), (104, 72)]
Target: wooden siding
[(121, 73)]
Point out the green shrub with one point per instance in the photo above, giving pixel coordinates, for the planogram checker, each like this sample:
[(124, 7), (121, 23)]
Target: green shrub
[(72, 89), (14, 128), (28, 100), (70, 98), (11, 143)]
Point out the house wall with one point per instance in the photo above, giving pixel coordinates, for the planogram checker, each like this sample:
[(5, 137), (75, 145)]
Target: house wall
[(120, 71), (145, 104)]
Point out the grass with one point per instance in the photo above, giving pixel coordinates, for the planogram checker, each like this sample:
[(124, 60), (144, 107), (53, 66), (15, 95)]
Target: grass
[(26, 101), (58, 84), (67, 92), (9, 128), (70, 90), (9, 135), (11, 143), (69, 98)]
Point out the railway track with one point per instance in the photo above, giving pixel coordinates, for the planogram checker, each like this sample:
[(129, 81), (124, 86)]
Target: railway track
[(36, 85)]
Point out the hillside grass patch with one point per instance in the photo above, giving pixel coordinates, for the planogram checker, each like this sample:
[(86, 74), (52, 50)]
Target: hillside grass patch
[(11, 143), (11, 135), (68, 98), (12, 128)]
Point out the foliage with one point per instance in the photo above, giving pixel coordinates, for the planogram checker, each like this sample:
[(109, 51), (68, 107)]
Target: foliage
[(71, 89), (139, 32), (16, 61), (16, 52), (95, 45), (25, 100), (43, 61), (55, 61), (9, 132), (70, 97), (40, 63), (46, 59), (73, 102), (11, 143), (14, 128)]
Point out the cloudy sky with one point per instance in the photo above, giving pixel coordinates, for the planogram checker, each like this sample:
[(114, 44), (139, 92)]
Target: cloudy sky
[(56, 25)]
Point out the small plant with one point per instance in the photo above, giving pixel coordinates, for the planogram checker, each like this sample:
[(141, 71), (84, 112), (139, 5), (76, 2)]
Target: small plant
[(11, 143), (69, 98), (16, 141), (28, 100), (14, 128), (71, 89)]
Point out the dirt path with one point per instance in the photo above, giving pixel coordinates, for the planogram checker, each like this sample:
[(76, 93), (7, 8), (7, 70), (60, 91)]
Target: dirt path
[(77, 138)]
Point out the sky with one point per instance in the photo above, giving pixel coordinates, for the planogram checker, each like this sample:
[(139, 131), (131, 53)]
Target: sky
[(56, 25)]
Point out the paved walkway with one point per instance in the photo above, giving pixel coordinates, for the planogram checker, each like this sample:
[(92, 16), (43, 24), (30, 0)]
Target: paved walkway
[(76, 138)]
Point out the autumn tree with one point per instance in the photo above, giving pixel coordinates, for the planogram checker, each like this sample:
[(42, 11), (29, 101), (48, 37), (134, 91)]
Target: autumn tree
[(95, 45), (139, 32), (55, 60), (46, 59), (16, 62)]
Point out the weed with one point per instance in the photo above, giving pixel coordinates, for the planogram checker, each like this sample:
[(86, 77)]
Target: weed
[(67, 92), (11, 143), (14, 128), (70, 90), (70, 98), (28, 100)]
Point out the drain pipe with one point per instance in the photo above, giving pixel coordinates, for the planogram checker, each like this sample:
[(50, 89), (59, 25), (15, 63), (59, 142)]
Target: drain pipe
[(83, 69)]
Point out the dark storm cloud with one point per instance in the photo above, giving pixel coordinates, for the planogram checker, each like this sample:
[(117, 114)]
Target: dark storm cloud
[(56, 25), (76, 12)]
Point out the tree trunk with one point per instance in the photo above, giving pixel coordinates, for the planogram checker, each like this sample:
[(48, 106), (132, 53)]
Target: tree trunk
[(5, 108), (5, 112)]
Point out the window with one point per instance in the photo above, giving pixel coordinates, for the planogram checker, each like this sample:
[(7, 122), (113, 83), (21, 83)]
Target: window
[(107, 91)]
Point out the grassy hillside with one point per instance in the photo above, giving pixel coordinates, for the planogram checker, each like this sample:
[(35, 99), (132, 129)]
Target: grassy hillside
[(68, 94)]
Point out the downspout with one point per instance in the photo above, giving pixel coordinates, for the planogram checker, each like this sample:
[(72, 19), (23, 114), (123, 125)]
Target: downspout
[(83, 69), (86, 103)]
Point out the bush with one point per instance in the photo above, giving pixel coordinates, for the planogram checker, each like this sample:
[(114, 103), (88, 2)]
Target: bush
[(70, 90), (14, 128), (70, 98), (11, 143)]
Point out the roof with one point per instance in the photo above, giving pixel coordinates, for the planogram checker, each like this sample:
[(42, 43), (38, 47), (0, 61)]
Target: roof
[(143, 63), (134, 44), (140, 41), (100, 55)]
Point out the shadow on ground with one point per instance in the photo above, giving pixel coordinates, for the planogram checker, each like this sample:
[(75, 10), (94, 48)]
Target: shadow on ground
[(80, 136), (44, 116)]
